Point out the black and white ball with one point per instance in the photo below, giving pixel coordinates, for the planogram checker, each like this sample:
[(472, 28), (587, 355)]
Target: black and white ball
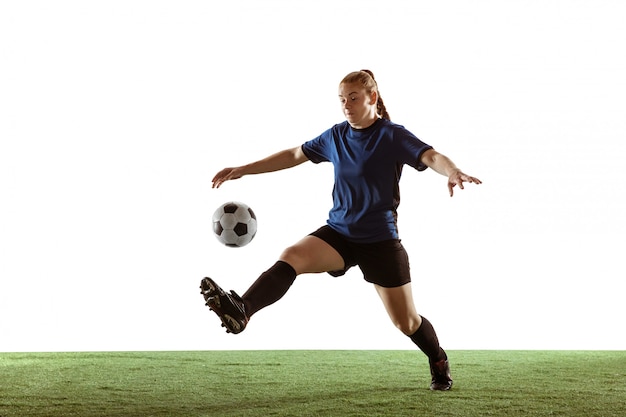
[(234, 224)]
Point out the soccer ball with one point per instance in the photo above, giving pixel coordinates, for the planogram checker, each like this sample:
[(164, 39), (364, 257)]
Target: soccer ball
[(234, 224)]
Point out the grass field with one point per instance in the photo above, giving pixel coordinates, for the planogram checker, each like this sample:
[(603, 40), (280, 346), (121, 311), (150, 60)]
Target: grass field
[(311, 383)]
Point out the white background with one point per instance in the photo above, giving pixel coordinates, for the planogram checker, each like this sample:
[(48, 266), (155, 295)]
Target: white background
[(114, 117)]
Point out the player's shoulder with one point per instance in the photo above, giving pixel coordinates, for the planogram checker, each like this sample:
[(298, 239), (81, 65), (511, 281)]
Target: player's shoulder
[(395, 131), (341, 126), (388, 124)]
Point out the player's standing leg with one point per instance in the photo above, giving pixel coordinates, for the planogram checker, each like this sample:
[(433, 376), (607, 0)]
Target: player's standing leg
[(398, 302)]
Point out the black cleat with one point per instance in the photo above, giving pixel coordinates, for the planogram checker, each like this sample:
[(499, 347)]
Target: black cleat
[(440, 372), (229, 307)]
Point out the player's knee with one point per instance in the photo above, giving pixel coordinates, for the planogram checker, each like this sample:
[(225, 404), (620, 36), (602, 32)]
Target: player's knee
[(295, 257), (406, 325)]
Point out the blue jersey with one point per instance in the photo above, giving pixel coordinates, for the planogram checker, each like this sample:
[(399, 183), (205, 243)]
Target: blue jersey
[(368, 164)]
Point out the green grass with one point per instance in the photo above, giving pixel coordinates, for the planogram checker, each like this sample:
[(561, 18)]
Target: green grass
[(311, 383)]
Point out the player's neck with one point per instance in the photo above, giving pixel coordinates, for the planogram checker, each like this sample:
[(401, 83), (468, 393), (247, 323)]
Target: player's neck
[(365, 123)]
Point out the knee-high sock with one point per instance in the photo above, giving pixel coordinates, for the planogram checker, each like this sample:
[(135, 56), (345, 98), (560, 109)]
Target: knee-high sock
[(426, 339), (269, 287)]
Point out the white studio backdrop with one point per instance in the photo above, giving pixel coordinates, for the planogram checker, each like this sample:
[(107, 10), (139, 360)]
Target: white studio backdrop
[(114, 117)]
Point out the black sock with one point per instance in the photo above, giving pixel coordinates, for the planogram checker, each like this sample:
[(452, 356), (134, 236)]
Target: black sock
[(269, 287), (426, 339)]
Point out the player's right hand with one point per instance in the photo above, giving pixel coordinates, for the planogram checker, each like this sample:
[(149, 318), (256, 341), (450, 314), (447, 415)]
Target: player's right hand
[(225, 175)]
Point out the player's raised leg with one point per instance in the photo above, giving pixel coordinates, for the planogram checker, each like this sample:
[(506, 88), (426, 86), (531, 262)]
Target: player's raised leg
[(398, 302), (309, 255)]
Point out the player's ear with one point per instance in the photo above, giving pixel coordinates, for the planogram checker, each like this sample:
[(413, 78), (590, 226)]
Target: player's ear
[(373, 97)]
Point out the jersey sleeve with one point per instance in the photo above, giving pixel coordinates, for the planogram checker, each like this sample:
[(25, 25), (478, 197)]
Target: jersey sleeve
[(318, 149), (411, 148)]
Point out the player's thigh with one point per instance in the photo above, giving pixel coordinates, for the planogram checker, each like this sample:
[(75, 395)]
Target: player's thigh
[(312, 254)]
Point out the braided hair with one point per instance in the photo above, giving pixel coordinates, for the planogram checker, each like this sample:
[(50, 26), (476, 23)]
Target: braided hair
[(366, 79)]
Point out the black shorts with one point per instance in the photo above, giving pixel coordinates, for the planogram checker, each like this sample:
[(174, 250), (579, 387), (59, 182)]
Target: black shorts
[(384, 263)]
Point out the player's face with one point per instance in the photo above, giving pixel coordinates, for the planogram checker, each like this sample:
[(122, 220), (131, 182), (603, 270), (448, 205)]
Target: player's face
[(357, 105)]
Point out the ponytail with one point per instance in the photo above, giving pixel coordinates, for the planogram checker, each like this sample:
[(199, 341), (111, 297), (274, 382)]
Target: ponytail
[(381, 109), (366, 79)]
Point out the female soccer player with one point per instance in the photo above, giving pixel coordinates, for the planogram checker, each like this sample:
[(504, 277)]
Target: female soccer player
[(368, 152)]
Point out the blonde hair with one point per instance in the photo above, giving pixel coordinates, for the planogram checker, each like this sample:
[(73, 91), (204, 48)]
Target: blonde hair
[(366, 79)]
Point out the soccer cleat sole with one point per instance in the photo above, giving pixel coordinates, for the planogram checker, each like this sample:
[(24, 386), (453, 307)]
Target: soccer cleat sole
[(213, 296), (209, 289), (231, 325), (214, 303)]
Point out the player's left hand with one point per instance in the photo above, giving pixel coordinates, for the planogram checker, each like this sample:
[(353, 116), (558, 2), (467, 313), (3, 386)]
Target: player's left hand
[(458, 178)]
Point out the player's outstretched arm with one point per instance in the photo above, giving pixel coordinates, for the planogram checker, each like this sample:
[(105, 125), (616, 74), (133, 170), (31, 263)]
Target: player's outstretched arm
[(281, 160), (444, 166)]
